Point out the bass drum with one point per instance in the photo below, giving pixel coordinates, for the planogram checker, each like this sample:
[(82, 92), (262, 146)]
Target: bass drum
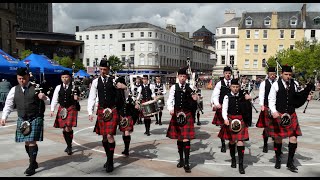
[(149, 108)]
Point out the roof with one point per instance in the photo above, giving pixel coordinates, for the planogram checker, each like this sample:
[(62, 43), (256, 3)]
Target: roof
[(234, 22), (203, 29), (46, 36), (121, 26), (310, 20)]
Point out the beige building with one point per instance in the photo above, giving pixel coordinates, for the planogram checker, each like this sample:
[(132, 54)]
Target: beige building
[(263, 34)]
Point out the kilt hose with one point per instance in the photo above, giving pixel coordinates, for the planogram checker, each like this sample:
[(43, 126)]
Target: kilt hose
[(141, 113), (176, 131), (104, 128), (278, 131), (217, 119), (227, 134), (36, 133), (71, 119), (129, 127)]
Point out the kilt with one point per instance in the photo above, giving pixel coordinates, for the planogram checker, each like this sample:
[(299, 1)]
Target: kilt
[(263, 120), (36, 133), (275, 130), (176, 131), (226, 133), (3, 96), (104, 128), (71, 119), (141, 113), (217, 119), (129, 127)]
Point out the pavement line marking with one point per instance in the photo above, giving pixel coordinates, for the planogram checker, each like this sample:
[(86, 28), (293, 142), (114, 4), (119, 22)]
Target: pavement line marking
[(171, 161)]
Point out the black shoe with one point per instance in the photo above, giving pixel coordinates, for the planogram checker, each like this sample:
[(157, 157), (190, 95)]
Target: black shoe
[(180, 164), (157, 122), (278, 164), (223, 148), (69, 150), (187, 168), (145, 132), (148, 134), (241, 169), (292, 167), (105, 165), (233, 163), (30, 170), (66, 150), (198, 123), (126, 153), (160, 123), (265, 149), (109, 167)]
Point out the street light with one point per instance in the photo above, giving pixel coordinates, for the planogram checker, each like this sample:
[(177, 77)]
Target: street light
[(96, 67), (227, 60)]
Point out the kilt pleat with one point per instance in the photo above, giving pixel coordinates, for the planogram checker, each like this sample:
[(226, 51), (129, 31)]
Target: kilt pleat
[(227, 134), (71, 119), (263, 120), (129, 127), (176, 131), (104, 128), (36, 133), (218, 119), (277, 131)]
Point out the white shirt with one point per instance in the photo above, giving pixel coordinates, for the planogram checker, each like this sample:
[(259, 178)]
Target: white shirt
[(216, 92), (93, 95), (55, 96), (262, 91), (138, 92), (226, 106), (273, 94), (8, 108), (152, 87), (164, 91), (170, 101)]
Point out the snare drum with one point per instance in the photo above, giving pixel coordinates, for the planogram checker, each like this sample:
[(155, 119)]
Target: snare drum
[(149, 108), (160, 101)]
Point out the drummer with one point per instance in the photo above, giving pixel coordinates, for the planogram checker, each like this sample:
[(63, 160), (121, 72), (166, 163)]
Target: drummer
[(160, 90), (147, 94)]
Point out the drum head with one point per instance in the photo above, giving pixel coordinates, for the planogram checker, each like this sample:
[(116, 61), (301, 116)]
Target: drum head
[(25, 128)]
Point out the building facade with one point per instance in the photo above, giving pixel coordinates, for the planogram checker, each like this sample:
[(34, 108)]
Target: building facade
[(34, 17), (203, 37), (8, 28), (312, 29), (142, 47)]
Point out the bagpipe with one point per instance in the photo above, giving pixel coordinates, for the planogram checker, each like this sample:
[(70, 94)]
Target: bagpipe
[(75, 88)]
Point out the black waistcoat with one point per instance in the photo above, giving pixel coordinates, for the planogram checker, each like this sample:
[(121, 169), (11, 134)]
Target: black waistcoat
[(284, 102), (107, 93), (65, 98), (28, 104), (266, 92), (223, 91), (234, 105), (183, 100), (158, 89), (146, 92)]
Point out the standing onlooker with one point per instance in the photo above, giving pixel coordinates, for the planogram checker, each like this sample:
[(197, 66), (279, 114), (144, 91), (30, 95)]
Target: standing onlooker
[(5, 87)]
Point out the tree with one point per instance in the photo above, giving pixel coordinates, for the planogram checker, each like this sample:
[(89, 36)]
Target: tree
[(25, 53), (115, 63), (78, 65)]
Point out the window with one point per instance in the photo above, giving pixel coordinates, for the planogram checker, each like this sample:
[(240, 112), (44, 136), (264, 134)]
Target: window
[(110, 36), (267, 21), (123, 35), (265, 34), (281, 34), (142, 59), (111, 48), (255, 63), (149, 34), (87, 48), (316, 21), (103, 49), (247, 50), (255, 48), (293, 21), (233, 30), (313, 33), (223, 59), (291, 47), (223, 30), (263, 63), (141, 34), (142, 47), (248, 34), (123, 60), (249, 21), (223, 45), (95, 36), (157, 36), (123, 47), (292, 34), (232, 44), (264, 49), (149, 46), (80, 38), (87, 37), (131, 35), (217, 47), (280, 47), (88, 61), (95, 49), (132, 46), (246, 63), (256, 34), (103, 36), (80, 49)]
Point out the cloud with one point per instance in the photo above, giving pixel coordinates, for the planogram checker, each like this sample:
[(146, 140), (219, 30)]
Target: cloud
[(188, 17)]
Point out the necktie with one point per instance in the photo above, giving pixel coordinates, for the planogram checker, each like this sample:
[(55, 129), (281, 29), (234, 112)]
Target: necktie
[(288, 85), (228, 83), (104, 80), (25, 90), (182, 86)]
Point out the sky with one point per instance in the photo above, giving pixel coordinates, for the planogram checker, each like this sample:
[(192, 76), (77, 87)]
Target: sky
[(187, 17)]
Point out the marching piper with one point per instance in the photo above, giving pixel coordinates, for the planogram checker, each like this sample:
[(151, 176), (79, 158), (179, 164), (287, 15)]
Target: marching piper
[(160, 90)]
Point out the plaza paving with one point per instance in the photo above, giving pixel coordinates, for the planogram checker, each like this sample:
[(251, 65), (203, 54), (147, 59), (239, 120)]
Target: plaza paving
[(156, 155)]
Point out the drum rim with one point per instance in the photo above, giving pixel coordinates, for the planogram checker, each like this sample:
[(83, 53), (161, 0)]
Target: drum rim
[(149, 102)]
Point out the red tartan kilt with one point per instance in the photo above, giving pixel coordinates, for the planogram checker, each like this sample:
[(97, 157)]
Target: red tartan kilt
[(176, 131), (141, 113), (277, 131), (104, 128), (217, 119), (263, 120), (70, 121), (128, 128), (226, 134)]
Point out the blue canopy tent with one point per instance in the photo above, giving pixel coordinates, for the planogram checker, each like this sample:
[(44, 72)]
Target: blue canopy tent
[(8, 64), (81, 74)]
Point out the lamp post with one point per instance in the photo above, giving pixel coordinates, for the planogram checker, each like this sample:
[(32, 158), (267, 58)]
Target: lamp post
[(96, 67), (227, 59)]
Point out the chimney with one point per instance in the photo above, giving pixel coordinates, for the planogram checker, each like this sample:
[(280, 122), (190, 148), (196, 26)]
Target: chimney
[(274, 20), (77, 28), (229, 14), (171, 28), (304, 14)]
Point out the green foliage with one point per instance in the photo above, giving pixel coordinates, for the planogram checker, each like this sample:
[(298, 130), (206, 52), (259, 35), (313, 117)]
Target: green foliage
[(115, 63), (68, 62), (25, 53)]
